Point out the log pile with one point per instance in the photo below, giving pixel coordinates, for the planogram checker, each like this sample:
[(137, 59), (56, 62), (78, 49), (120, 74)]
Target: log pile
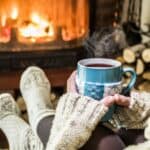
[(138, 58)]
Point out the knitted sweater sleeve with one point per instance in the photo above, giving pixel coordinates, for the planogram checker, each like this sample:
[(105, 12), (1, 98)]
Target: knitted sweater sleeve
[(135, 116), (75, 119)]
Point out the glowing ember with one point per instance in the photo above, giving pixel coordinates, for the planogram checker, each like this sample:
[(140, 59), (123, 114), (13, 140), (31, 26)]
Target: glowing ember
[(73, 33), (37, 28), (35, 18), (5, 34), (46, 20), (33, 30)]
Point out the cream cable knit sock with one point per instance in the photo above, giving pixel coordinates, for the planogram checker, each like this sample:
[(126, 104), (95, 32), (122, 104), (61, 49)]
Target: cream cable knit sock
[(7, 105), (18, 133), (78, 116), (35, 89)]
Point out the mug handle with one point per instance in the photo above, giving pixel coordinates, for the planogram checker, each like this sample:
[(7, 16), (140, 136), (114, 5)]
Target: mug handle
[(132, 80)]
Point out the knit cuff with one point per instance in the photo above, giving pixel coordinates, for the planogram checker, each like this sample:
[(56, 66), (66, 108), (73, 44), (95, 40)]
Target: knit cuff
[(135, 116), (78, 116)]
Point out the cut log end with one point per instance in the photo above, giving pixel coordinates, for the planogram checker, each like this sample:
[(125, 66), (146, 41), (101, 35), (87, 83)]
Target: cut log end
[(145, 86), (129, 56), (140, 67), (121, 59), (146, 75), (146, 55)]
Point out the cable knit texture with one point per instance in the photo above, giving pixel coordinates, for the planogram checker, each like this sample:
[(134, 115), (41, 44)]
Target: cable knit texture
[(20, 136), (146, 122), (76, 117), (35, 89), (134, 117), (7, 105), (72, 125)]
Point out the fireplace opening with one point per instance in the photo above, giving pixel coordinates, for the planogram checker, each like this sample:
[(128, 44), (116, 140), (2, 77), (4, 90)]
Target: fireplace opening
[(49, 33), (56, 24)]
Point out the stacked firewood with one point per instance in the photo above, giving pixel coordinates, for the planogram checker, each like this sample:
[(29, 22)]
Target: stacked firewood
[(138, 58)]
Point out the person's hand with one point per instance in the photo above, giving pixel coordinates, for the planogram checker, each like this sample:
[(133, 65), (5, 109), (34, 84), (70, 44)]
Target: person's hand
[(116, 99), (108, 101), (71, 84)]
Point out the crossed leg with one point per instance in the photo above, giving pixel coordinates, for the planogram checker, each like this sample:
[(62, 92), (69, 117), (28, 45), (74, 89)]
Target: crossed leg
[(35, 89), (19, 134)]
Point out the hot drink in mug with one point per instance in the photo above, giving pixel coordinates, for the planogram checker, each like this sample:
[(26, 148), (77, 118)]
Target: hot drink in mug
[(100, 77)]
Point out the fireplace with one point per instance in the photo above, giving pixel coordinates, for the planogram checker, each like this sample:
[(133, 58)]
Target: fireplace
[(49, 34), (39, 32), (56, 23), (45, 30)]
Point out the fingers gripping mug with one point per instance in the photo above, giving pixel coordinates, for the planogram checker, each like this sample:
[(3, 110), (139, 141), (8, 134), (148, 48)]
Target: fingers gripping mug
[(100, 77)]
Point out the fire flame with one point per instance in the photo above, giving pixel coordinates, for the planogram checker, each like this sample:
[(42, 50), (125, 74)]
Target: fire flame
[(46, 19), (3, 20), (37, 28), (35, 18), (14, 13)]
